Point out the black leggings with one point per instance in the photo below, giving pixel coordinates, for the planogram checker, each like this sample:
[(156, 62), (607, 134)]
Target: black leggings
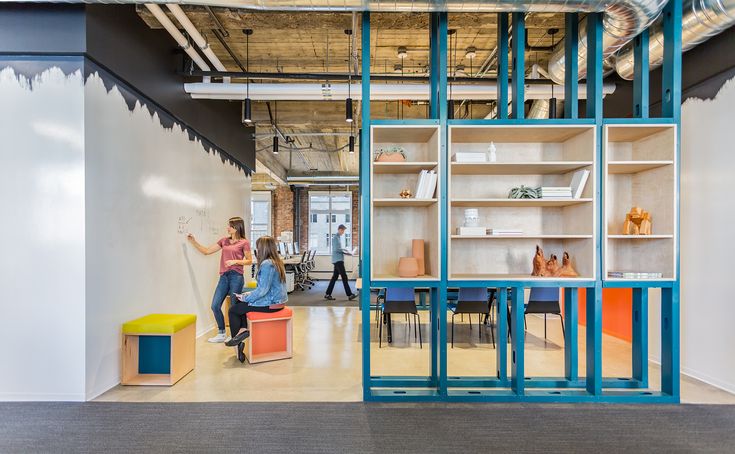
[(238, 315)]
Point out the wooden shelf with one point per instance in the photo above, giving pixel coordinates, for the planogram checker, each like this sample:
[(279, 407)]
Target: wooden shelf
[(521, 237), (395, 277), (402, 167), (630, 167), (640, 237), (403, 202), (518, 202), (516, 134), (517, 168), (513, 277)]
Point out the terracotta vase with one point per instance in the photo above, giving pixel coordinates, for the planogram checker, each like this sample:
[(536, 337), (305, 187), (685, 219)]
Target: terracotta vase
[(408, 267), (417, 251)]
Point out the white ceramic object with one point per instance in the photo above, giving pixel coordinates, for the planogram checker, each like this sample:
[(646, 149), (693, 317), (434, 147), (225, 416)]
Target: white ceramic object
[(491, 151), (471, 217)]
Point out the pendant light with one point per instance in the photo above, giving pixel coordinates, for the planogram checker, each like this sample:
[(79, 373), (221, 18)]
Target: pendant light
[(247, 109), (348, 101), (452, 62), (352, 143), (275, 144), (275, 129), (552, 101)]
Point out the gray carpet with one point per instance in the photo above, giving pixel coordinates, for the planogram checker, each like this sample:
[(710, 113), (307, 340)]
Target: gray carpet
[(315, 296), (369, 428)]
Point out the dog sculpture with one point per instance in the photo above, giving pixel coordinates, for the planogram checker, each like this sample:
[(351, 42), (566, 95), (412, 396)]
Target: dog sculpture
[(566, 270), (539, 263)]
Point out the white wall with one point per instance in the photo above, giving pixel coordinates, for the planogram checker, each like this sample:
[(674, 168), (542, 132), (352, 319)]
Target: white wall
[(42, 229), (142, 181), (707, 228)]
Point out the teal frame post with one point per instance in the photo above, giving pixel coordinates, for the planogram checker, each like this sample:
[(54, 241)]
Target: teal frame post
[(594, 340), (641, 76), (571, 335), (502, 82), (571, 66), (518, 66), (501, 343), (670, 366), (518, 378), (594, 67), (640, 335), (671, 67), (365, 221)]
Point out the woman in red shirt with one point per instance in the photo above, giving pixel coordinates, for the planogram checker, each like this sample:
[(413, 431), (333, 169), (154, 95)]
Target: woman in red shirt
[(235, 256)]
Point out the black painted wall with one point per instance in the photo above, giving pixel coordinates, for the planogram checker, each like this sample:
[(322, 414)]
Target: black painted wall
[(116, 40), (705, 69)]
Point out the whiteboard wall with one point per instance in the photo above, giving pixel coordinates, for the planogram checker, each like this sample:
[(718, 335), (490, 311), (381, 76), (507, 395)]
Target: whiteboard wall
[(146, 188)]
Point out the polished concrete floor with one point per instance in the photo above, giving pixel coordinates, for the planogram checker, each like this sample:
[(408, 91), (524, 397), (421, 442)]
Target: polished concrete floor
[(327, 362)]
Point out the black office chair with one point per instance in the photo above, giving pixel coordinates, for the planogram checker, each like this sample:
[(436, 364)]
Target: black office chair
[(544, 300), (399, 300), (472, 300)]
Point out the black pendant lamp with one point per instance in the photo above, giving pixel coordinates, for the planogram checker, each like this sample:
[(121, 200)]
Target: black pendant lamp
[(275, 130), (352, 143), (247, 109), (275, 144), (348, 101)]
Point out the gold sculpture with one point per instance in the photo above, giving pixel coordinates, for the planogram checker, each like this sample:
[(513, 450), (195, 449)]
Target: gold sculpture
[(637, 222)]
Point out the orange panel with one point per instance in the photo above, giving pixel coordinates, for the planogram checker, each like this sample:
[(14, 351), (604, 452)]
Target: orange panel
[(269, 337), (617, 312)]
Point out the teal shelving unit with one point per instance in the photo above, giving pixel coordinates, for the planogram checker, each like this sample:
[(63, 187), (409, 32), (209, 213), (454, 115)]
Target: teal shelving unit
[(624, 156)]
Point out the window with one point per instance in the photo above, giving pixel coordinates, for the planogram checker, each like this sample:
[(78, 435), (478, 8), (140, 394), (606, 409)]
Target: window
[(332, 206), (260, 220)]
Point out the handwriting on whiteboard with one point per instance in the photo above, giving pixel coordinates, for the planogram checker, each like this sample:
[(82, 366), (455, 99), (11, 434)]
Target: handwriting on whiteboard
[(183, 224)]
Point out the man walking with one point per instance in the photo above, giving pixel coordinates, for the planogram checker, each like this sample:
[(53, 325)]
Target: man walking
[(338, 259)]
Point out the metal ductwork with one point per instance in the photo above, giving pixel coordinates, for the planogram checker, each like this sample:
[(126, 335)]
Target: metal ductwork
[(623, 21), (702, 19)]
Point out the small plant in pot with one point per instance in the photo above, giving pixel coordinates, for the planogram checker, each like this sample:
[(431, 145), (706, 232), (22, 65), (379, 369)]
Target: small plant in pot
[(524, 192), (392, 154)]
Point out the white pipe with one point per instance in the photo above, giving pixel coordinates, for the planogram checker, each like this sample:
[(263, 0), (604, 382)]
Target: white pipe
[(177, 35), (378, 92), (197, 37)]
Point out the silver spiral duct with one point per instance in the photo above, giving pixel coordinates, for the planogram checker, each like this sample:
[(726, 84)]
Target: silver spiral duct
[(620, 25), (702, 19)]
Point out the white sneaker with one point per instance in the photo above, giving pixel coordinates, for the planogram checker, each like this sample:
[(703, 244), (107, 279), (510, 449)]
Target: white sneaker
[(219, 338)]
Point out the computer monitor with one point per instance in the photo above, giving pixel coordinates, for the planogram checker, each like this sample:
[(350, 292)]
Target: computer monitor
[(282, 248), (296, 249), (289, 248)]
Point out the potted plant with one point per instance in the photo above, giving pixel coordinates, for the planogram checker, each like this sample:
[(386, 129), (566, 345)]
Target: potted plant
[(392, 154)]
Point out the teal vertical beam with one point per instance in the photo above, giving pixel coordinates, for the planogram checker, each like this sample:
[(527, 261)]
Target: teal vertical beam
[(640, 335), (571, 65), (518, 379), (441, 331), (365, 221), (438, 65), (594, 66), (594, 339), (502, 82), (571, 343), (435, 345), (501, 343), (671, 68), (670, 340), (518, 65), (640, 75)]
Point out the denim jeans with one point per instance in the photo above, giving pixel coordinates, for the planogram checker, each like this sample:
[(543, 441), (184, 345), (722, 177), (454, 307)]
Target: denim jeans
[(229, 283)]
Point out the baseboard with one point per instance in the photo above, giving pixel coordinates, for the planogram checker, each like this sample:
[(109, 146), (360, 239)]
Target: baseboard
[(41, 397), (101, 390), (729, 387), (201, 333)]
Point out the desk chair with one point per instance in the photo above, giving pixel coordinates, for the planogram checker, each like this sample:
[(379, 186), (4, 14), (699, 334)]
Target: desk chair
[(544, 300), (472, 300), (310, 265), (399, 300), (301, 272)]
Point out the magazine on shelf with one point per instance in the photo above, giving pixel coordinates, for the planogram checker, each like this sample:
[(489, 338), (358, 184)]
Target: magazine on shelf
[(634, 275), (471, 231), (579, 180)]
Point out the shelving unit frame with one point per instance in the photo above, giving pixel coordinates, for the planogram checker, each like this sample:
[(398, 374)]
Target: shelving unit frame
[(509, 383)]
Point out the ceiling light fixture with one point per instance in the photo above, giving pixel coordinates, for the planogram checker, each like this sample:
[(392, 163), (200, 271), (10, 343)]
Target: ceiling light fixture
[(552, 101), (398, 69), (275, 144), (352, 143), (348, 101), (275, 129), (402, 52), (471, 52), (247, 116)]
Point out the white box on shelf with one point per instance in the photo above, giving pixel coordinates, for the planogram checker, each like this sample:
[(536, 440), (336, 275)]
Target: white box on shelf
[(471, 231), (469, 157)]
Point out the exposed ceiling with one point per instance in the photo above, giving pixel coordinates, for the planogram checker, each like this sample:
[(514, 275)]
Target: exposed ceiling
[(316, 43)]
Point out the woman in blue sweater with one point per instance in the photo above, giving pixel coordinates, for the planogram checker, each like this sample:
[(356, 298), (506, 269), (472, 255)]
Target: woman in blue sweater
[(269, 295)]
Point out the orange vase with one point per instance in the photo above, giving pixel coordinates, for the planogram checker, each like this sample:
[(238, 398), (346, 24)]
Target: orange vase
[(417, 251), (408, 267)]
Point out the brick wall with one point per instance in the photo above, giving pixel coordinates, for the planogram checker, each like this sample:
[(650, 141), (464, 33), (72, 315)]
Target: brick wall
[(283, 210)]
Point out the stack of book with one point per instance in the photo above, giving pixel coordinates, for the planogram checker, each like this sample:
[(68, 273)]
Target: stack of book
[(426, 185), (504, 232), (471, 231), (550, 192), (633, 275), (469, 157)]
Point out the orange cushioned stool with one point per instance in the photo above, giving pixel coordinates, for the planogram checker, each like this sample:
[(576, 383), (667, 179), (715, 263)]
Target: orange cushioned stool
[(271, 336)]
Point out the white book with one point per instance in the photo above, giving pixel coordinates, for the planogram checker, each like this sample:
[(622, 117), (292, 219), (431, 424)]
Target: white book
[(471, 231), (579, 180), (431, 187), (470, 157), (419, 184)]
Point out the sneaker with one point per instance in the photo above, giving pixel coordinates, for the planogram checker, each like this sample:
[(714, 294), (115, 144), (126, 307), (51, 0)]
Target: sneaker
[(352, 297), (220, 337), (329, 297)]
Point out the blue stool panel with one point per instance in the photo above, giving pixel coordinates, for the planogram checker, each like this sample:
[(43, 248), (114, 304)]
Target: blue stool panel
[(154, 354)]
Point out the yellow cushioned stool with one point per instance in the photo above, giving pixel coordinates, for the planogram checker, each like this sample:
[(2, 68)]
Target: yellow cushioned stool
[(158, 349)]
